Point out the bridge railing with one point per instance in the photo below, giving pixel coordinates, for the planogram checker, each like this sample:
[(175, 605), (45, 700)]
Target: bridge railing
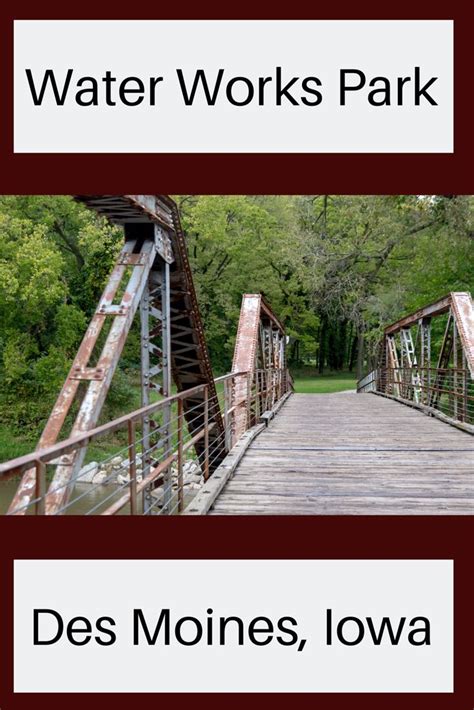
[(442, 332), (163, 476), (369, 383), (446, 393)]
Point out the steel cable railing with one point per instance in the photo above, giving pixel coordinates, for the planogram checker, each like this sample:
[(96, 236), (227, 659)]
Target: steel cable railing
[(448, 392), (181, 437)]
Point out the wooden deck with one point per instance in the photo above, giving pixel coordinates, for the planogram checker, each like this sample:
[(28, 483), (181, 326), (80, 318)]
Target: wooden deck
[(350, 454)]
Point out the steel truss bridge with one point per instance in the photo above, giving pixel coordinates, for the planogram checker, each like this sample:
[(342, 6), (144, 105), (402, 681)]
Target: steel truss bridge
[(258, 447)]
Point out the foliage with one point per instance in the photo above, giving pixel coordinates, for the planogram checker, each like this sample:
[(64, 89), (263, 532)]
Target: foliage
[(369, 259), (54, 257), (241, 244)]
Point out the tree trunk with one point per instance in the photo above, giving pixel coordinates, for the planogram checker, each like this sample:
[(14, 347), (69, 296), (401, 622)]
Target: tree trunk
[(360, 351), (322, 345), (316, 349), (332, 346), (353, 353), (349, 347), (341, 351)]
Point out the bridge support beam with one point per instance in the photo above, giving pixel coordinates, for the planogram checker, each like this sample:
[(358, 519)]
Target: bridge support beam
[(259, 351), (139, 257), (155, 348)]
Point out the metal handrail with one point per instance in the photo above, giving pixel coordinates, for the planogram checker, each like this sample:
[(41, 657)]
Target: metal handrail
[(406, 355), (447, 393), (276, 384), (22, 463)]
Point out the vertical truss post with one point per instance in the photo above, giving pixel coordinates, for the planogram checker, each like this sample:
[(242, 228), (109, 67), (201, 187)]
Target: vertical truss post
[(132, 460), (393, 387), (403, 366), (408, 361), (455, 370), (425, 326), (166, 386), (248, 403), (180, 456), (232, 393), (227, 404), (206, 433), (156, 375), (443, 363), (464, 415), (145, 387)]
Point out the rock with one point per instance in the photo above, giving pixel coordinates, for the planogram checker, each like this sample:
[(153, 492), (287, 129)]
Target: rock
[(123, 478), (87, 472), (158, 493), (100, 476), (192, 477), (191, 467), (116, 461)]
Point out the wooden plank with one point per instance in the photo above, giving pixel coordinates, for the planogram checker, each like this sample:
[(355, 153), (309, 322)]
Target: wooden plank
[(349, 454), (204, 500)]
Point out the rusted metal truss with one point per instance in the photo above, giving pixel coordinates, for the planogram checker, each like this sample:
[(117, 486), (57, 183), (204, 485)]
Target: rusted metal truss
[(427, 359), (260, 350), (152, 275), (459, 304)]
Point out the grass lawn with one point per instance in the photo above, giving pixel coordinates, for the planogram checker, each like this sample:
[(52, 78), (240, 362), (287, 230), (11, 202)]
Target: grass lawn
[(307, 381)]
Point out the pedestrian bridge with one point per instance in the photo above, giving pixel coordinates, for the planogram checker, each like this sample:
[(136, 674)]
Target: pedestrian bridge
[(245, 443), (350, 454)]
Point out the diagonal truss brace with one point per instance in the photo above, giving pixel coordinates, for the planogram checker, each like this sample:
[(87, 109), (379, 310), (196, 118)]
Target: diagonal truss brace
[(140, 259)]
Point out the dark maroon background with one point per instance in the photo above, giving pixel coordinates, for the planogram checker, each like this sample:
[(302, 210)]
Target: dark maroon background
[(377, 173), (243, 537)]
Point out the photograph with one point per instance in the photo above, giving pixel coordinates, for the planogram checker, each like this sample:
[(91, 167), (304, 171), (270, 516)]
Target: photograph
[(236, 354)]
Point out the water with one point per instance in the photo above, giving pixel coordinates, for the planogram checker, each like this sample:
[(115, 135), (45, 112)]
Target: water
[(98, 497), (102, 496)]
